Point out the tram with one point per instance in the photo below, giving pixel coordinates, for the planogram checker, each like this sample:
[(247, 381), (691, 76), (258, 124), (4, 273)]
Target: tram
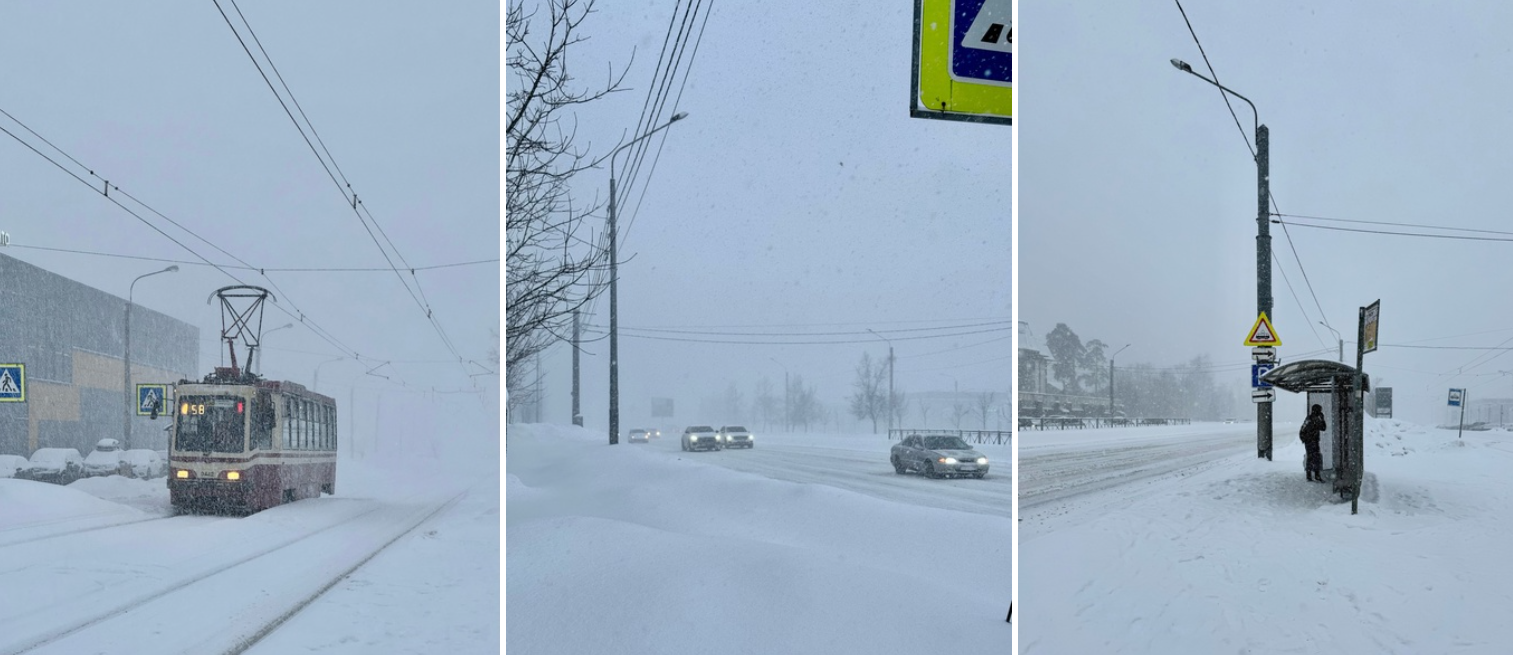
[(244, 445), (241, 443)]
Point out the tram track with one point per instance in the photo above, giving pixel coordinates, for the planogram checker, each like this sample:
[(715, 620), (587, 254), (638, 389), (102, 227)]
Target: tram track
[(312, 561), (54, 535)]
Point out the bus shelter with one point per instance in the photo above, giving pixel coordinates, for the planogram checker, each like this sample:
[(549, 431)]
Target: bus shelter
[(1339, 389)]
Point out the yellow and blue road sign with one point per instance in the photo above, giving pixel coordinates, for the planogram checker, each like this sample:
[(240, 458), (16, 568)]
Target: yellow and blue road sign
[(963, 60)]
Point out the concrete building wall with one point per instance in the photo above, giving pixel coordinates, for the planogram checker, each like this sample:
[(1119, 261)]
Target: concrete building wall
[(72, 339)]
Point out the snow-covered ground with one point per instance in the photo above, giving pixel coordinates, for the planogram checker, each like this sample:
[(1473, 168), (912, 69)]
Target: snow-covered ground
[(804, 544), (102, 566), (1234, 554)]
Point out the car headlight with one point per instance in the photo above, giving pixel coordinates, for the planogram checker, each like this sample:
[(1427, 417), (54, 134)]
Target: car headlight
[(947, 460), (982, 460), (693, 438)]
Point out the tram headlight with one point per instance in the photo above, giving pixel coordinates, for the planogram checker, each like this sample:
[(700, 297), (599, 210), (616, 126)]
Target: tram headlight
[(181, 474), (233, 475)]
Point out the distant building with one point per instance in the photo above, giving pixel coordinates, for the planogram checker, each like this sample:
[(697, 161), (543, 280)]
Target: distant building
[(1037, 397), (71, 337)]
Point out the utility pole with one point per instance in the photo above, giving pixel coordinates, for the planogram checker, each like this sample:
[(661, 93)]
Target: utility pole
[(1111, 380), (577, 416)]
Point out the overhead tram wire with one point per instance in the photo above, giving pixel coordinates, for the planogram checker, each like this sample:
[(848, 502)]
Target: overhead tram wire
[(246, 267), (353, 200), (298, 314), (1007, 326), (1365, 222), (797, 343), (1453, 237)]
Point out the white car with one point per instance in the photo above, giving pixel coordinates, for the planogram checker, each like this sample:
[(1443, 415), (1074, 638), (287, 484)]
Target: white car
[(104, 460), (56, 465), (639, 435), (735, 436), (143, 463), (10, 465), (700, 437)]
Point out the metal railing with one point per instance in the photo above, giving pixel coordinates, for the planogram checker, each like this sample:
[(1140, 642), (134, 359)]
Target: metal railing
[(1081, 422), (997, 437)]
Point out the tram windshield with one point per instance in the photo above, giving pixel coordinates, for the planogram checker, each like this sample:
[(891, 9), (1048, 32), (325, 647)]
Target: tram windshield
[(212, 424)]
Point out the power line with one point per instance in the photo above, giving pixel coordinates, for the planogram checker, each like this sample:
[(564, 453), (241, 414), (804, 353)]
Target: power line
[(801, 334), (250, 268), (798, 343), (1365, 222), (1455, 237)]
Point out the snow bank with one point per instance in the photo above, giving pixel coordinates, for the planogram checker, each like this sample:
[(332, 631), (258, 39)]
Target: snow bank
[(26, 503), (629, 550), (1248, 557)]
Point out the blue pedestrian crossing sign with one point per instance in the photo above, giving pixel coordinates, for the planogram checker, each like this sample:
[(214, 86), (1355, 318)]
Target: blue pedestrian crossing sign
[(12, 383), (150, 396)]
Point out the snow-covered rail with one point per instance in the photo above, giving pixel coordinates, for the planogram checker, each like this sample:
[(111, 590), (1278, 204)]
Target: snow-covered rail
[(1057, 474), (207, 603)]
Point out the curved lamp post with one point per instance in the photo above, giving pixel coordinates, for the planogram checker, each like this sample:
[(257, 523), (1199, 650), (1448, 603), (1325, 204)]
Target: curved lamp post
[(131, 400), (614, 317)]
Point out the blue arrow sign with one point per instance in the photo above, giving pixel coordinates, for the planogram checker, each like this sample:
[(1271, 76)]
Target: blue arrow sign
[(1258, 370), (12, 383)]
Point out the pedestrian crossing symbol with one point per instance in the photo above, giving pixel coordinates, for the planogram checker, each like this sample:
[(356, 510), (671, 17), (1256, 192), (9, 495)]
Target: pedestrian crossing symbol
[(1262, 333), (12, 383), (150, 397)]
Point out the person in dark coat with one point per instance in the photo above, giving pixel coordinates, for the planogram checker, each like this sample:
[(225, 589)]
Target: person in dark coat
[(1313, 463)]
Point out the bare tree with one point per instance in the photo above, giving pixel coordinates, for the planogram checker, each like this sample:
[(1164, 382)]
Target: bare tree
[(985, 405), (900, 405), (735, 405), (765, 402), (869, 401), (806, 404), (924, 412), (551, 262), (959, 410)]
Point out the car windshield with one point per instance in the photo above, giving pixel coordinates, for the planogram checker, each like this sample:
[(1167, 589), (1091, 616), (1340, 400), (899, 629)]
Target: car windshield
[(49, 456), (946, 443), (701, 428), (735, 428), (212, 424)]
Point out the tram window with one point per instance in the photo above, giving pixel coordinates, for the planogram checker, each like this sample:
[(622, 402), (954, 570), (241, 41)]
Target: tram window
[(299, 424), (324, 429), (288, 424), (335, 430), (304, 424), (262, 421), (330, 431)]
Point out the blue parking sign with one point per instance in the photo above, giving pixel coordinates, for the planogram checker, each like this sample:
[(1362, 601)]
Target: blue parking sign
[(12, 383), (1259, 370)]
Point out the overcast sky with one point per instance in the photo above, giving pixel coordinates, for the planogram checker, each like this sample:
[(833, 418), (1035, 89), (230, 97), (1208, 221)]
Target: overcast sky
[(797, 197), (162, 100), (1138, 197)]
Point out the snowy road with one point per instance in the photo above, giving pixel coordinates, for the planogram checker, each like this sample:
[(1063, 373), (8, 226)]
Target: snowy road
[(84, 574), (1059, 466), (859, 463)]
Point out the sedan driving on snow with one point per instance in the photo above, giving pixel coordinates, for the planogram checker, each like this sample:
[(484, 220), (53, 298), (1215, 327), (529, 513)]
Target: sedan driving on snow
[(735, 436), (700, 437), (938, 455), (639, 435)]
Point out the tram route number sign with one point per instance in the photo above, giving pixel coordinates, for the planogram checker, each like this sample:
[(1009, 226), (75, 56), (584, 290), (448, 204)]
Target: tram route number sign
[(12, 383), (150, 396)]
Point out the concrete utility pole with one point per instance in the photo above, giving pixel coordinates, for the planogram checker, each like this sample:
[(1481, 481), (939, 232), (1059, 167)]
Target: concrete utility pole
[(1263, 242), (131, 396), (577, 415), (1337, 336), (614, 277), (890, 378)]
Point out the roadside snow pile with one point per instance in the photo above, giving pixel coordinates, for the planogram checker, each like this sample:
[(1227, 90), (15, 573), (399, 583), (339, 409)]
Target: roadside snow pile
[(1249, 557), (26, 503), (625, 550)]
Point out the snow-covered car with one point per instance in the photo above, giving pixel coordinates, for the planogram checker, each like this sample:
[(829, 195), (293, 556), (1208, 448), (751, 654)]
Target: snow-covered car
[(735, 436), (639, 435), (57, 465), (10, 465), (700, 437), (143, 463), (937, 455), (105, 459)]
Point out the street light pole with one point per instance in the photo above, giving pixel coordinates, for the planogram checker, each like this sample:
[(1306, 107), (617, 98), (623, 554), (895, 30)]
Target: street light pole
[(316, 384), (890, 380), (1263, 241), (785, 392), (1340, 338), (131, 400), (1111, 380), (614, 317), (260, 353)]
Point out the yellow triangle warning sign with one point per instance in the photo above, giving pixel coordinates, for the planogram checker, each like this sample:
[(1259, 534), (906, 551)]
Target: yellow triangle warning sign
[(1262, 333)]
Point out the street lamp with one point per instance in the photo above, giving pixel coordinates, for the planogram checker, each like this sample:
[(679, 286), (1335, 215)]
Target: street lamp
[(260, 349), (614, 317), (1111, 380), (1337, 336), (890, 381), (785, 392), (316, 383), (131, 400), (1263, 242)]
